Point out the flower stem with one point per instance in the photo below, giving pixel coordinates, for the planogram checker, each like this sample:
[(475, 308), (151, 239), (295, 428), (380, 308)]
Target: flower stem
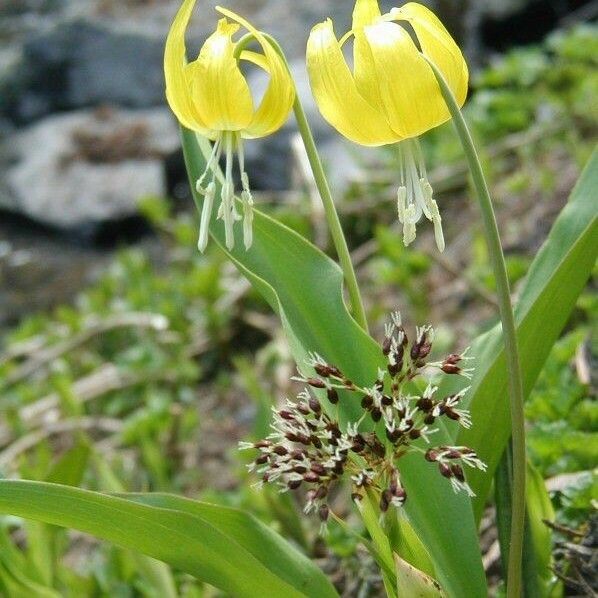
[(514, 575), (334, 224), (380, 545)]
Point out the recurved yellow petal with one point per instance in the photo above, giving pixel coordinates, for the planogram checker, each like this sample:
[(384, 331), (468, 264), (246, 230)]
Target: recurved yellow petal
[(219, 89), (278, 99), (336, 93), (178, 92), (438, 45), (363, 70), (409, 91), (365, 13)]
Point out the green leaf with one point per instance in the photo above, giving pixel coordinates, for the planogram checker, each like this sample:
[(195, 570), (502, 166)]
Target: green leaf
[(415, 583), (156, 573), (271, 548), (539, 509), (41, 539), (406, 542), (555, 279), (305, 288), (223, 551)]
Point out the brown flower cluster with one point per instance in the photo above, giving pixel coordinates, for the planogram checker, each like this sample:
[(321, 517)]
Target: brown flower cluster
[(308, 448)]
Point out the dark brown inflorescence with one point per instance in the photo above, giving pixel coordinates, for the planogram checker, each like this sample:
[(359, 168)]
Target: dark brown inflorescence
[(309, 449)]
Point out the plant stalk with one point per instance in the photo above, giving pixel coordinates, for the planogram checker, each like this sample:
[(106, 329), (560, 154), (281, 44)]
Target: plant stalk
[(514, 575), (380, 547), (334, 223)]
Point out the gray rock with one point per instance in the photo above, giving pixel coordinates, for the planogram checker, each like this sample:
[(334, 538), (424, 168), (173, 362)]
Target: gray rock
[(87, 167), (10, 8), (80, 64)]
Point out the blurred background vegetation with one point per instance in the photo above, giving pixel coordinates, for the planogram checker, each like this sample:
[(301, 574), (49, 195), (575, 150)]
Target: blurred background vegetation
[(130, 362)]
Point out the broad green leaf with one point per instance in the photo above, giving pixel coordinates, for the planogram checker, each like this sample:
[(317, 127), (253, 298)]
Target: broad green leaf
[(157, 573), (415, 583), (539, 509), (305, 288), (407, 543), (548, 295), (208, 550), (255, 537), (537, 542), (41, 538)]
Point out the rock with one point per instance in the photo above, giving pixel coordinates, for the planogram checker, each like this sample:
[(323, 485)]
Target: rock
[(10, 8), (87, 167), (81, 64)]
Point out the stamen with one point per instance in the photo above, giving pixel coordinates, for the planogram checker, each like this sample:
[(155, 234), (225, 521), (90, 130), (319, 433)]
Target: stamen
[(206, 214), (415, 194), (401, 203), (228, 142), (409, 231), (211, 165), (247, 200), (246, 197)]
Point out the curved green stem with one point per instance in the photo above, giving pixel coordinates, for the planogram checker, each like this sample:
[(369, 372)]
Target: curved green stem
[(334, 224), (510, 336)]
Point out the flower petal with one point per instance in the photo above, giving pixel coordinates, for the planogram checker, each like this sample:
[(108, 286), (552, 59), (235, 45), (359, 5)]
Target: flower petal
[(410, 94), (365, 13), (219, 88), (336, 94), (364, 71), (178, 92), (438, 45), (278, 99)]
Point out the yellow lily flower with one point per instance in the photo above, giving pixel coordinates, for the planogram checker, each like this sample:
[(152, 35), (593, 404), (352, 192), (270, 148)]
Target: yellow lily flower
[(211, 97), (391, 95)]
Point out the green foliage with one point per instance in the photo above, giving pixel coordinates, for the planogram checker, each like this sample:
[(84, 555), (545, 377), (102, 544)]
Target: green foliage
[(304, 288), (159, 372), (226, 548), (555, 279), (557, 81), (563, 416)]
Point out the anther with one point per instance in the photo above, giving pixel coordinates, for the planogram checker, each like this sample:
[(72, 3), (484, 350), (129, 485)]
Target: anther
[(316, 383), (332, 395)]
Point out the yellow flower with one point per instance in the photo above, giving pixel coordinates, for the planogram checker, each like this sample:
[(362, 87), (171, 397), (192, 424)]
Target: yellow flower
[(211, 97), (391, 94)]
